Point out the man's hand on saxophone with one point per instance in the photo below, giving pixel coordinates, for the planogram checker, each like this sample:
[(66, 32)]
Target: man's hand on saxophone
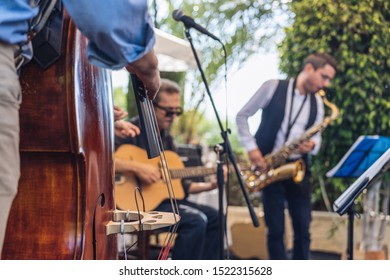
[(306, 146), (257, 159)]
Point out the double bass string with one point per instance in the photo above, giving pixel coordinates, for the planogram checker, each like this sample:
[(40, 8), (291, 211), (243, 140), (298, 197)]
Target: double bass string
[(140, 225), (168, 241), (165, 167), (155, 148), (154, 142)]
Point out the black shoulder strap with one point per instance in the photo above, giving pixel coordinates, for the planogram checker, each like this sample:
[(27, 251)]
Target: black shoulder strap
[(39, 21), (47, 33)]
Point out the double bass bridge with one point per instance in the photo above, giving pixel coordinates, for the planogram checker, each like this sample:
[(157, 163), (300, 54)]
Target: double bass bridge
[(132, 221)]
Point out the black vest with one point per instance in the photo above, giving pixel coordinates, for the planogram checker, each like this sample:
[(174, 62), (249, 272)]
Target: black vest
[(272, 117)]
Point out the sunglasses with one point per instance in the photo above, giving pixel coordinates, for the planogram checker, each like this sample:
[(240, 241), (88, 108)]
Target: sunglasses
[(169, 111)]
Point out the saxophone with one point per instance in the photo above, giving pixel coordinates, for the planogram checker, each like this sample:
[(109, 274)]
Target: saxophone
[(277, 168)]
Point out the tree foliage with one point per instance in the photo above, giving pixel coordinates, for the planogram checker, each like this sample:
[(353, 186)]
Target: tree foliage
[(357, 34), (237, 24)]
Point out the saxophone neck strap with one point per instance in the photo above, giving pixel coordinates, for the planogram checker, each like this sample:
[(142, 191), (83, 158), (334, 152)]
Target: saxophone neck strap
[(290, 122)]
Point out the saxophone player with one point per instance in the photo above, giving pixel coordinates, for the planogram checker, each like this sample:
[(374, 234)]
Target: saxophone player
[(289, 107)]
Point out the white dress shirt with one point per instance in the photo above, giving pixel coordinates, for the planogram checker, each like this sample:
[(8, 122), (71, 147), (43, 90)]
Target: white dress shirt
[(261, 99)]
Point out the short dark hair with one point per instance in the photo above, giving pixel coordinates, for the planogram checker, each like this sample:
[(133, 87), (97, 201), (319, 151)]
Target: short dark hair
[(319, 60), (167, 86)]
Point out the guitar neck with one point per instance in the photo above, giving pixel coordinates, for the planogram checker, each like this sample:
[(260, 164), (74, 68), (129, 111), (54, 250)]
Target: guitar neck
[(191, 172)]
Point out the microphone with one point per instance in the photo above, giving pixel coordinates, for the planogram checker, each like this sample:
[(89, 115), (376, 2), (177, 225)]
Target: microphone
[(189, 22)]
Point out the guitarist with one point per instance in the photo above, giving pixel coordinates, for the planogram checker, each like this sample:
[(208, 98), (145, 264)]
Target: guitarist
[(197, 234)]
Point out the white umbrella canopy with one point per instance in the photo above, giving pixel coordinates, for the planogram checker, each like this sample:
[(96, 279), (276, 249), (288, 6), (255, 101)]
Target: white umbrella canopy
[(174, 54)]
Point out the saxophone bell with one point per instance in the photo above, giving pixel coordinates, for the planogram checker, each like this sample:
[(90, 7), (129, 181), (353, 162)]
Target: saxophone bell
[(256, 180)]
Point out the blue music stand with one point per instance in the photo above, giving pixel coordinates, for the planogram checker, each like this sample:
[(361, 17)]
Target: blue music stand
[(365, 159), (362, 154)]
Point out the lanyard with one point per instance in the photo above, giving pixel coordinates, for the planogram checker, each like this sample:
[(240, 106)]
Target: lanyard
[(291, 123)]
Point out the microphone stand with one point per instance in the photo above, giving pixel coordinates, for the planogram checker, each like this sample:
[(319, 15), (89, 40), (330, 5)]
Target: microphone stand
[(226, 148), (220, 151)]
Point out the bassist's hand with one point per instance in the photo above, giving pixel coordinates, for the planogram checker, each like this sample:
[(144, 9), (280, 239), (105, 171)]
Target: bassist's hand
[(119, 113), (124, 129), (146, 69)]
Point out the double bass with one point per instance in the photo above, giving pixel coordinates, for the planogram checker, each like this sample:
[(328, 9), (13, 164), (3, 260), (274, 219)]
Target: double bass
[(65, 206), (65, 194)]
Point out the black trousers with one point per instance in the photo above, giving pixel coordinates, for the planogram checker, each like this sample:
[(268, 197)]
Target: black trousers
[(297, 199), (197, 234)]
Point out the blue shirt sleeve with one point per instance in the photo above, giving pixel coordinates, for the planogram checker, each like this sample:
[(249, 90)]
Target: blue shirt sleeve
[(14, 17), (119, 31)]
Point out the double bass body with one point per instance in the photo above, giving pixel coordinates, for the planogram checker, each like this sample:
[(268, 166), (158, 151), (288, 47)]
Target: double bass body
[(65, 195)]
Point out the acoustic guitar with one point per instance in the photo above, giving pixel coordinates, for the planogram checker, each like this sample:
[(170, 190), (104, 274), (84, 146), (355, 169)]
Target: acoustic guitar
[(153, 194)]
